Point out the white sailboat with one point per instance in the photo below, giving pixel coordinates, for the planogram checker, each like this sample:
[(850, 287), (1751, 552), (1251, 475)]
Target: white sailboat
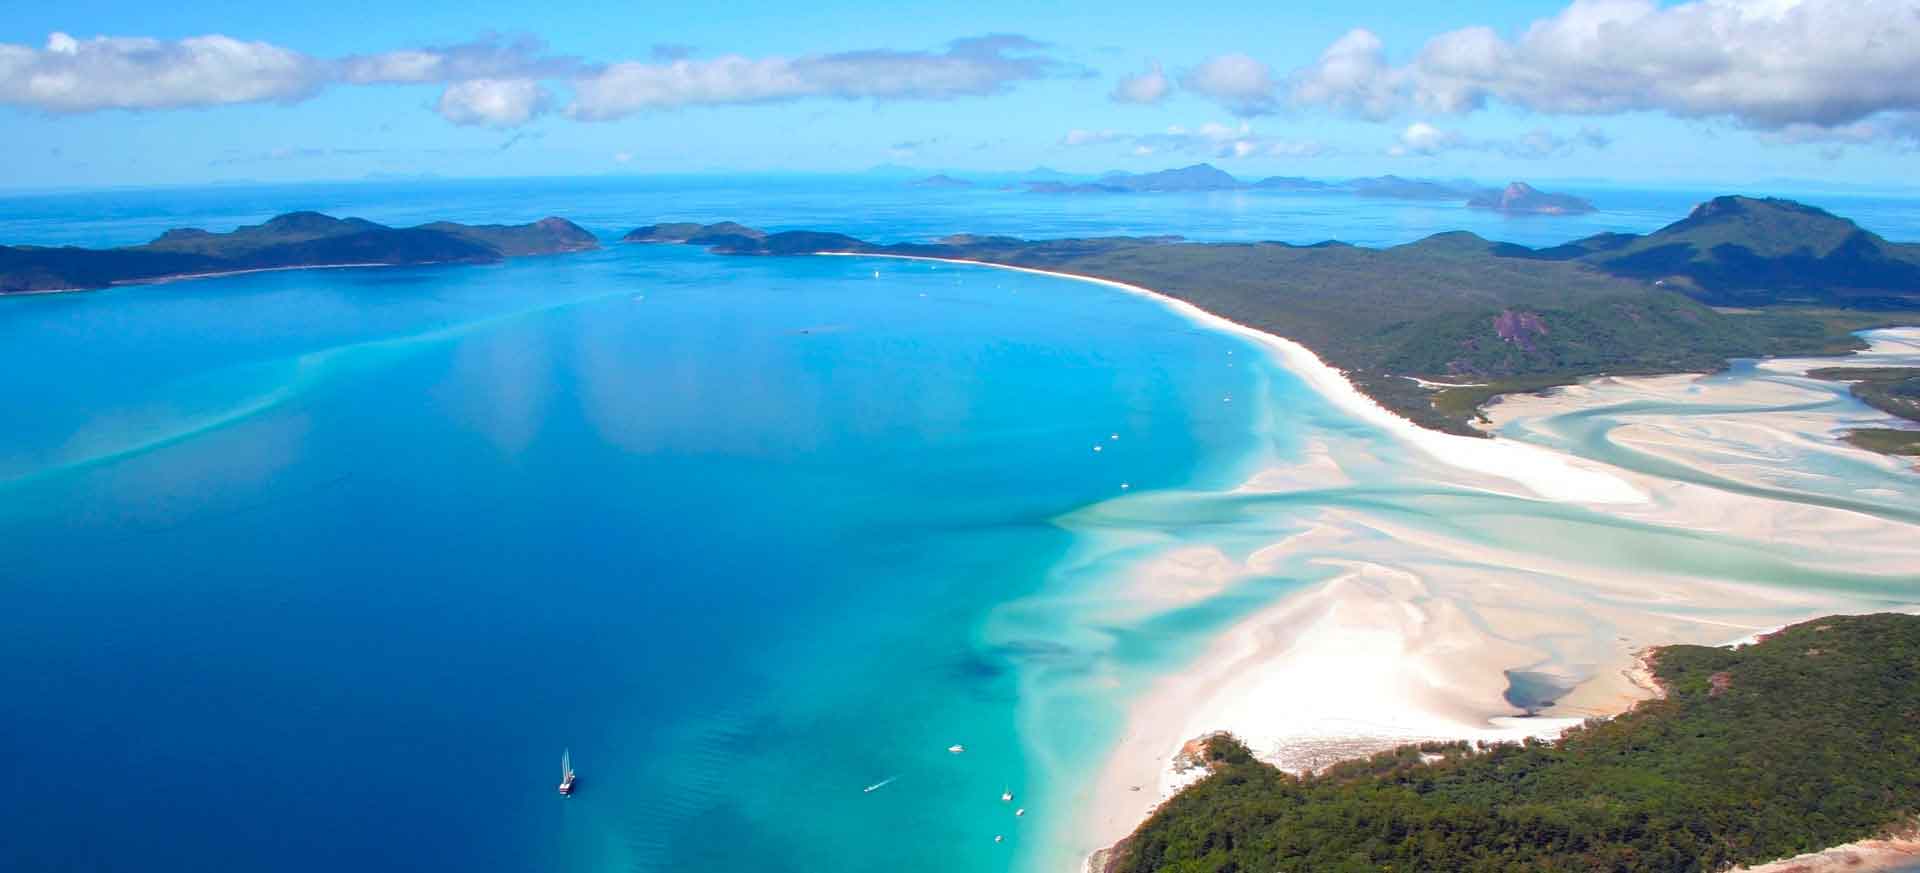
[(566, 773)]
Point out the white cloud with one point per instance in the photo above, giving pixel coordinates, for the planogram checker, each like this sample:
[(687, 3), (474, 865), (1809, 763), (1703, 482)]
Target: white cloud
[(1242, 84), (494, 81), (492, 102), (489, 57), (1148, 86), (1421, 138), (86, 75), (972, 67), (1424, 139), (1901, 128), (1765, 64), (1351, 76)]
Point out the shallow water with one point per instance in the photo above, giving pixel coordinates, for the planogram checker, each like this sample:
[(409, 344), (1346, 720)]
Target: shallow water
[(319, 569)]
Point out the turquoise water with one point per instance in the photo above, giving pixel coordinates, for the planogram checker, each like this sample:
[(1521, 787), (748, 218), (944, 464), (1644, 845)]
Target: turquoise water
[(340, 560), (321, 570)]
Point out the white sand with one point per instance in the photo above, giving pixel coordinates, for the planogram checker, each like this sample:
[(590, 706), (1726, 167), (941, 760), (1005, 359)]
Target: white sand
[(1898, 852), (1411, 635)]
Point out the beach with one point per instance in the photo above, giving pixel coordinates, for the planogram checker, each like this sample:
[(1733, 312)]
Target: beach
[(1412, 629)]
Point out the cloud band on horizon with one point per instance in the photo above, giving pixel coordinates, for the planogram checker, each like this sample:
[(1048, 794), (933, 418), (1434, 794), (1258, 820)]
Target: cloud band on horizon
[(494, 81)]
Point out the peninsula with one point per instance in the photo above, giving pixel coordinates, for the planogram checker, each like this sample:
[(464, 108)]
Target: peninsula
[(1435, 328), (292, 241), (1808, 739), (1893, 390)]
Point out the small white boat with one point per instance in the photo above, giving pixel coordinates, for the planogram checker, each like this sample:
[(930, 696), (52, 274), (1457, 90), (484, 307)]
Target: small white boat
[(956, 748), (1020, 811), (998, 838), (1006, 796), (566, 773), (878, 785)]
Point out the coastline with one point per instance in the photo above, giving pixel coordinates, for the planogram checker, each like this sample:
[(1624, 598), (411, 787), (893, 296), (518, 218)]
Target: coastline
[(1542, 472), (183, 277), (1899, 850), (1409, 634)]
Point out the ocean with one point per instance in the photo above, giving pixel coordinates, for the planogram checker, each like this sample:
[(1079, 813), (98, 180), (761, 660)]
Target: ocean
[(316, 570)]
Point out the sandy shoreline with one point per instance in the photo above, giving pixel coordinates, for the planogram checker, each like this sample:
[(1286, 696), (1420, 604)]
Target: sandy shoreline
[(1411, 630)]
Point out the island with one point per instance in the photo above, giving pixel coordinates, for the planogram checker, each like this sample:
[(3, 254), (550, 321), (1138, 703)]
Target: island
[(1516, 197), (1199, 177), (1411, 189), (296, 240), (1808, 739), (1434, 329), (941, 180), (1522, 198)]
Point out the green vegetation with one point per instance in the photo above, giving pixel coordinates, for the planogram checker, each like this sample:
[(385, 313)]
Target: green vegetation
[(1738, 278), (1807, 740), (1886, 440), (298, 239), (1893, 390)]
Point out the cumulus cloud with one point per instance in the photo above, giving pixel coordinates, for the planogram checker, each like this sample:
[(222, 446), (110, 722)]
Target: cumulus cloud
[(490, 57), (1149, 86), (1766, 64), (495, 103), (1901, 128), (972, 67), (1421, 138), (1212, 139), (1241, 83), (1352, 76), (75, 75), (495, 81), (1424, 139)]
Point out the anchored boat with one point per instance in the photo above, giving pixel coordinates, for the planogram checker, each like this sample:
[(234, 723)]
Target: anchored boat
[(566, 773)]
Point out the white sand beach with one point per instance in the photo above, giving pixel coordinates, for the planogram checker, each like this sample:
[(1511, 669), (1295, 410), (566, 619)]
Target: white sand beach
[(1414, 623)]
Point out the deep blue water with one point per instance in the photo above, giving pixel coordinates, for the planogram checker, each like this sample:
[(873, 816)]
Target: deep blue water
[(321, 570)]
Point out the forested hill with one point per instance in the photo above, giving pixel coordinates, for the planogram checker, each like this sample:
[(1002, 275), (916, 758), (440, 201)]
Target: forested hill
[(1745, 251), (1458, 308), (1807, 740), (297, 239)]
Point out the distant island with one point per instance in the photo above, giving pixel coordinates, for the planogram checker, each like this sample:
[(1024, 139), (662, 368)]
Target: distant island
[(941, 180), (291, 241), (1806, 740), (1517, 197), (1435, 328), (1522, 197)]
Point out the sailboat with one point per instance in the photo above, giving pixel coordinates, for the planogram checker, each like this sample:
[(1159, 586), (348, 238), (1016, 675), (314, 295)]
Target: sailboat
[(566, 773)]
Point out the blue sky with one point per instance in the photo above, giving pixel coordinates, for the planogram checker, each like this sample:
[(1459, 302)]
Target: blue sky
[(1714, 91)]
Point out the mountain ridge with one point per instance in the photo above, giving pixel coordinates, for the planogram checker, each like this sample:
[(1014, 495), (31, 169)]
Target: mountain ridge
[(293, 240)]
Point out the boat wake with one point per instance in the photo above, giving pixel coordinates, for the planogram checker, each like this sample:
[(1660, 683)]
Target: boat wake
[(878, 785)]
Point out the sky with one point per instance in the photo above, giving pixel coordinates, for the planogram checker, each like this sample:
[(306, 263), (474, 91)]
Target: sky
[(96, 94)]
